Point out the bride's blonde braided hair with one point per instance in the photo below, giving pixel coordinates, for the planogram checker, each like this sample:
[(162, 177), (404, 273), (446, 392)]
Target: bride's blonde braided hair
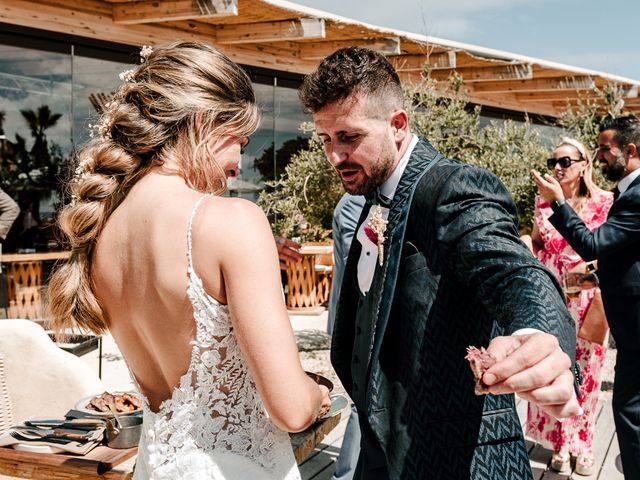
[(169, 106)]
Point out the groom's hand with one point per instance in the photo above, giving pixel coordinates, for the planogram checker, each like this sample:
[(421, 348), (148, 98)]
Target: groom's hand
[(534, 367)]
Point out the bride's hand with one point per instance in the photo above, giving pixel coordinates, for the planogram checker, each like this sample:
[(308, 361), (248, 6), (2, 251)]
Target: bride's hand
[(326, 401)]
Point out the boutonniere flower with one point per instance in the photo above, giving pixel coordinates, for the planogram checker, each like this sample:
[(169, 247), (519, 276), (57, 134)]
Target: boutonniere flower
[(375, 231)]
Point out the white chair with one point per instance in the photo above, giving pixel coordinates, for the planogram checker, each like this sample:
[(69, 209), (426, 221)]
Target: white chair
[(41, 379), (6, 414)]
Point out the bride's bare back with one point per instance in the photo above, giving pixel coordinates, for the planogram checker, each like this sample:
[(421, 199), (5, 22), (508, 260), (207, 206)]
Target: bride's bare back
[(140, 277), (140, 274)]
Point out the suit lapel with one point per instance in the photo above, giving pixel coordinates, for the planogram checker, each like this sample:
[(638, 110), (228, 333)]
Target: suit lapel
[(423, 157)]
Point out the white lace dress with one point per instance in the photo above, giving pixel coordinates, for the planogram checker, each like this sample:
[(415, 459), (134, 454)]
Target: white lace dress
[(214, 425)]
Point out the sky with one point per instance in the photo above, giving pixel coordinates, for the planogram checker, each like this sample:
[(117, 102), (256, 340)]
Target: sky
[(598, 35)]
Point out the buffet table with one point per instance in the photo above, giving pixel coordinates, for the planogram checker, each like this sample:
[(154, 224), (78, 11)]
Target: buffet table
[(105, 463)]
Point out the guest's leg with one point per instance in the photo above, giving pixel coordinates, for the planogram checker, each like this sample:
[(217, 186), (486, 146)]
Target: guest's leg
[(626, 411), (348, 458)]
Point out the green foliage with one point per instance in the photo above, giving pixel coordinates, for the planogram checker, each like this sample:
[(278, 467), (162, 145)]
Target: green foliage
[(507, 148), (264, 163), (308, 192), (301, 203), (583, 121)]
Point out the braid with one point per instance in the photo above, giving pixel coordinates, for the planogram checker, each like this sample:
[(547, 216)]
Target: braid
[(169, 107), (108, 170)]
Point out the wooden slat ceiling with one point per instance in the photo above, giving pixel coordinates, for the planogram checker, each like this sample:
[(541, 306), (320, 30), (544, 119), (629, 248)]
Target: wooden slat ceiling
[(285, 36)]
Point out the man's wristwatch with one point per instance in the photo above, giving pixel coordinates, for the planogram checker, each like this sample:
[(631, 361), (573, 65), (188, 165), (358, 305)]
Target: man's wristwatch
[(556, 204)]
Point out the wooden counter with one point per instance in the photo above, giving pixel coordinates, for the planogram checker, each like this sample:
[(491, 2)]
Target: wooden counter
[(16, 465), (24, 282), (34, 257)]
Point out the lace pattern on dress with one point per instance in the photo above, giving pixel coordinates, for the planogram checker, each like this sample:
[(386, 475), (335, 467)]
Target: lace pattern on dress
[(216, 409)]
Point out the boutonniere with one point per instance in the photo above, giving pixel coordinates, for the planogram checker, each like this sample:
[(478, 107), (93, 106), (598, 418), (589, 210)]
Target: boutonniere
[(375, 231)]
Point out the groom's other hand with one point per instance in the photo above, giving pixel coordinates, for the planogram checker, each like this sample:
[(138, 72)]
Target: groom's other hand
[(287, 251), (534, 367)]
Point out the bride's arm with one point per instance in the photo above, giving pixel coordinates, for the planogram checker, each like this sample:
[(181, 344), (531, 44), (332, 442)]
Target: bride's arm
[(249, 262)]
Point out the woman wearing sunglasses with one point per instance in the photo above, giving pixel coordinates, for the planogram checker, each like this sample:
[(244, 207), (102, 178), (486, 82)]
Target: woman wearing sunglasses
[(572, 166)]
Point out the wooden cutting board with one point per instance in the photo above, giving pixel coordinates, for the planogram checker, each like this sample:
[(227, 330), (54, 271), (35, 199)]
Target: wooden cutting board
[(49, 466)]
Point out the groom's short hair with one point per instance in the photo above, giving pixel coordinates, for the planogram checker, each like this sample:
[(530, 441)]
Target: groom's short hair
[(351, 70)]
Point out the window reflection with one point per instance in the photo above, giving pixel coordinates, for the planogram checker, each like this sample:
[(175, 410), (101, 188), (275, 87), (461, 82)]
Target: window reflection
[(47, 100), (35, 108)]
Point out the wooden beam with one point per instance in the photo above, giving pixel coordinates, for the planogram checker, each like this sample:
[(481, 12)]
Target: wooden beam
[(516, 71), (153, 11), (551, 96), (505, 101), (541, 84), (98, 24), (416, 63), (298, 29), (318, 50)]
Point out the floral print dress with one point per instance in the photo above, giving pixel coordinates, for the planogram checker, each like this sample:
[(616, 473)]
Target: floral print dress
[(574, 434)]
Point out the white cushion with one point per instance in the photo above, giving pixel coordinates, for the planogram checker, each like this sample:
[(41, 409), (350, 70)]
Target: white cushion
[(6, 414), (42, 380)]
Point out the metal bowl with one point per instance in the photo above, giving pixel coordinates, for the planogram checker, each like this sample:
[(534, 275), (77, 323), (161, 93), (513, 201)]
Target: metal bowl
[(127, 435), (321, 380)]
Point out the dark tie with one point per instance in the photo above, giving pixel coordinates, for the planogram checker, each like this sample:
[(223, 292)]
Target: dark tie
[(382, 200), (376, 198), (616, 193)]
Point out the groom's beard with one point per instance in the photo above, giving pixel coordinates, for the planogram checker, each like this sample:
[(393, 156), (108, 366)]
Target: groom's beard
[(378, 174)]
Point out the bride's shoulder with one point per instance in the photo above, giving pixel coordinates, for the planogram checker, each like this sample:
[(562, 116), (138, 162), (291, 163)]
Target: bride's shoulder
[(233, 210), (234, 217)]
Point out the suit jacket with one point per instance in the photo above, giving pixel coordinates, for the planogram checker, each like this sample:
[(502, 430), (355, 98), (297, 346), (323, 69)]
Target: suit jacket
[(345, 219), (616, 246), (455, 274)]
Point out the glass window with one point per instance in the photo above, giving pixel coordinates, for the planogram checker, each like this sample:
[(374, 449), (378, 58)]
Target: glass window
[(52, 86), (282, 117), (35, 126), (94, 82)]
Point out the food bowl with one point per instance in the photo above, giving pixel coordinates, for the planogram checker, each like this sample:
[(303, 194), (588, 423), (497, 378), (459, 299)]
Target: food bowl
[(320, 380), (127, 434)]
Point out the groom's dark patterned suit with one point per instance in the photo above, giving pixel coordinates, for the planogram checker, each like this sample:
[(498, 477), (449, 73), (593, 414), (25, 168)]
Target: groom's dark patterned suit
[(454, 274)]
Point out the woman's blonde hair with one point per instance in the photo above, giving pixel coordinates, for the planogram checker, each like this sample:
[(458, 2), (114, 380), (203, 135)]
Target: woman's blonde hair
[(169, 107), (587, 187)]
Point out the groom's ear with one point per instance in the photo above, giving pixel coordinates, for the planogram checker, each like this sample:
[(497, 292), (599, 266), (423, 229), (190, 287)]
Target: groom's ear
[(400, 125)]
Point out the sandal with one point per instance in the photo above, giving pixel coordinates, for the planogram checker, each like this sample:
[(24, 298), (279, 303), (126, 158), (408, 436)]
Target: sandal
[(561, 462), (584, 465)]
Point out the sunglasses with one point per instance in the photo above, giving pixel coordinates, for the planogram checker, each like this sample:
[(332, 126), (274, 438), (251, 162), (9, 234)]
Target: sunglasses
[(564, 162)]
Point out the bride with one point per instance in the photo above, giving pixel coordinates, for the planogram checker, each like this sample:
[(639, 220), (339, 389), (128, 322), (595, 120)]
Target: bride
[(186, 281)]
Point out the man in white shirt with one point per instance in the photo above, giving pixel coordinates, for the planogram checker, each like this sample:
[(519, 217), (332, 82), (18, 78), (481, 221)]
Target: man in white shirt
[(616, 247), (437, 266)]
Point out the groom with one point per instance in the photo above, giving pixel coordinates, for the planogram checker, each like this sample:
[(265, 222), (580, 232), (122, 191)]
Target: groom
[(436, 265)]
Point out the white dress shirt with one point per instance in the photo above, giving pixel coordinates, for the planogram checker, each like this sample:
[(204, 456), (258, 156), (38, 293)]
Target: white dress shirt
[(626, 181), (369, 254)]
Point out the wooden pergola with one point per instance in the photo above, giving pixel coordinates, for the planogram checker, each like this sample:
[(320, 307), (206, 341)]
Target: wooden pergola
[(284, 36)]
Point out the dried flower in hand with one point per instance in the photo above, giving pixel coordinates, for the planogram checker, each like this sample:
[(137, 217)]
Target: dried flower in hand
[(480, 361)]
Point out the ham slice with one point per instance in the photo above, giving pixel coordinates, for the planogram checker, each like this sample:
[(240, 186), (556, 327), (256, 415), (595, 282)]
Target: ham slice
[(480, 361)]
